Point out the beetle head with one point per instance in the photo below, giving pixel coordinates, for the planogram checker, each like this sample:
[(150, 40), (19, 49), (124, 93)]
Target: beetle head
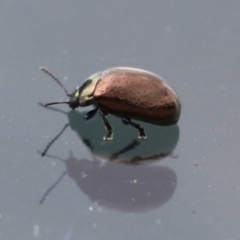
[(82, 96), (74, 100)]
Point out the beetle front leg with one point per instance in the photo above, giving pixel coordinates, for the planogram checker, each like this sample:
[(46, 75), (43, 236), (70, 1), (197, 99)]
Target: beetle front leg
[(90, 114), (109, 135), (142, 134)]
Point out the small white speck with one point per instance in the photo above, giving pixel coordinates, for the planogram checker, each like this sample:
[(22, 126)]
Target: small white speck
[(135, 181), (90, 208), (84, 175)]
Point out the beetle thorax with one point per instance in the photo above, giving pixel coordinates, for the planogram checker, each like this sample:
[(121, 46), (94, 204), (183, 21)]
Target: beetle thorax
[(85, 93)]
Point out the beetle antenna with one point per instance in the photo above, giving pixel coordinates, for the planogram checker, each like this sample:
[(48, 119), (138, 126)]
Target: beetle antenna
[(53, 103), (56, 79)]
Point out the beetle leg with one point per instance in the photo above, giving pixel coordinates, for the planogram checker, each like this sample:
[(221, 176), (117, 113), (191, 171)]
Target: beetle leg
[(109, 135), (90, 114), (142, 134)]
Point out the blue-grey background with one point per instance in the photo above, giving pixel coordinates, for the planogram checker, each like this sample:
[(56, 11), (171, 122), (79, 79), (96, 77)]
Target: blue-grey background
[(190, 188)]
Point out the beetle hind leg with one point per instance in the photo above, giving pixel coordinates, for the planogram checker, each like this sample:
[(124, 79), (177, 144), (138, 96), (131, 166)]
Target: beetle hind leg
[(142, 134), (109, 135)]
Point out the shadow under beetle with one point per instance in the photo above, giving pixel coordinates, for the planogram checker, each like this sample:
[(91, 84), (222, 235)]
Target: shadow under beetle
[(128, 93)]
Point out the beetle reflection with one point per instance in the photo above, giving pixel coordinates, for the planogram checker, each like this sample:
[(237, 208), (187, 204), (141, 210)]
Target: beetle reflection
[(161, 141), (120, 187)]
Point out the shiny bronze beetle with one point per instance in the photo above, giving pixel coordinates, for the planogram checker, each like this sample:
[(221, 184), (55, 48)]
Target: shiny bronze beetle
[(128, 93)]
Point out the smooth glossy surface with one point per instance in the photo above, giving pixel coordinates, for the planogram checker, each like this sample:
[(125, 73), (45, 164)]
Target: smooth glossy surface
[(191, 188)]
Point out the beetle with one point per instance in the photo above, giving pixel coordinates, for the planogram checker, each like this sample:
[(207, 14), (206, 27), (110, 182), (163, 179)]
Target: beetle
[(128, 93)]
